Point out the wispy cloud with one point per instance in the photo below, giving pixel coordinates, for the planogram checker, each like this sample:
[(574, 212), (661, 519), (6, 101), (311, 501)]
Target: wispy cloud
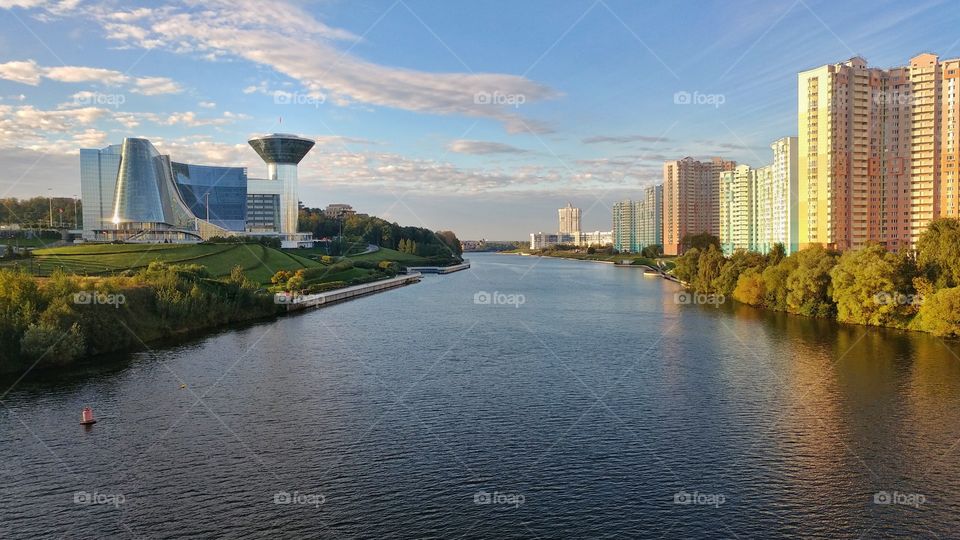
[(29, 72), (622, 139), (482, 148)]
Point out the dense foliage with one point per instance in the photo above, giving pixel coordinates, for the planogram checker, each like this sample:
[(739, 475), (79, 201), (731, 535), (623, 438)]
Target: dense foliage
[(870, 285), (53, 321), (36, 211), (363, 229)]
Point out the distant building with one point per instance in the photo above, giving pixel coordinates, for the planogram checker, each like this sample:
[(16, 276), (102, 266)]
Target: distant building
[(132, 193), (758, 206), (569, 219), (579, 239), (737, 200), (337, 211), (546, 240), (638, 224), (691, 191)]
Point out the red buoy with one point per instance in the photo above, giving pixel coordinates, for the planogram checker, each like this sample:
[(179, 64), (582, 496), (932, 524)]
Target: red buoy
[(86, 417)]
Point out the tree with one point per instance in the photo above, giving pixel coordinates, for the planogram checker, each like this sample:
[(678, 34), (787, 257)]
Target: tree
[(938, 252), (873, 286), (940, 313), (750, 287), (652, 251), (686, 265), (700, 241), (738, 263), (809, 287), (708, 269), (776, 254)]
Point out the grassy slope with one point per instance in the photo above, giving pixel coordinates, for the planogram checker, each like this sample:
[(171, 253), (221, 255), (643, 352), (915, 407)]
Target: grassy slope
[(259, 262), (387, 254)]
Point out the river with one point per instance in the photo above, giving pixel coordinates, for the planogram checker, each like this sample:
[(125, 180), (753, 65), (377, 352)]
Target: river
[(524, 398)]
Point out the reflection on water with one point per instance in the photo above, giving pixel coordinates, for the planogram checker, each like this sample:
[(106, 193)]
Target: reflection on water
[(599, 403)]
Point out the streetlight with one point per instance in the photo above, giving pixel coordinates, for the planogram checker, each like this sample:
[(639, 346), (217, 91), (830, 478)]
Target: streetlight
[(50, 200), (76, 220)]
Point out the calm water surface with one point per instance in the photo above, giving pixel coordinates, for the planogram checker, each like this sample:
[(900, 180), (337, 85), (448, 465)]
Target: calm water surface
[(587, 411)]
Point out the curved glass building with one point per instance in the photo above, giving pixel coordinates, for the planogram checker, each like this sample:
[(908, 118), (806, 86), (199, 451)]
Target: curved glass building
[(282, 153), (133, 193), (215, 194)]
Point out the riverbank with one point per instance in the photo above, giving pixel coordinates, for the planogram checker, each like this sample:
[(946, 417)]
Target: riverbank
[(52, 322)]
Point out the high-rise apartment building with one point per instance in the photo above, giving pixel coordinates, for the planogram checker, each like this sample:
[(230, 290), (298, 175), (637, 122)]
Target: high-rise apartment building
[(784, 223), (736, 208), (691, 192), (569, 219), (878, 151), (637, 224), (935, 123), (758, 205)]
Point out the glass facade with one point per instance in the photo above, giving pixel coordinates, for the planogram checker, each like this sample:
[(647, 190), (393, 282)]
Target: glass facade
[(98, 182), (282, 153), (214, 194), (263, 212), (146, 192)]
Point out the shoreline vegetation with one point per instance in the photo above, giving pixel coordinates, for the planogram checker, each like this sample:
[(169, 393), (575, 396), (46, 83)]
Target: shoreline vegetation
[(60, 305), (916, 290)]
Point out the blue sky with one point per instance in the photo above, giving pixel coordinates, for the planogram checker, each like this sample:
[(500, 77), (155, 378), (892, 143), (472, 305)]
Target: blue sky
[(480, 117)]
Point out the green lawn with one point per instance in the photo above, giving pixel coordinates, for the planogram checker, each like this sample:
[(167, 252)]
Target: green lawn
[(387, 254), (259, 262)]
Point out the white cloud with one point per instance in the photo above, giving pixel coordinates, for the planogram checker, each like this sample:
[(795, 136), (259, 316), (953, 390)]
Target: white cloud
[(207, 105), (152, 86), (22, 72), (293, 43), (28, 72), (76, 74), (481, 148)]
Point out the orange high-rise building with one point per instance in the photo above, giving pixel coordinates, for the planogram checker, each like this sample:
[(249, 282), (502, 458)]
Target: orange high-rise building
[(691, 199), (878, 154)]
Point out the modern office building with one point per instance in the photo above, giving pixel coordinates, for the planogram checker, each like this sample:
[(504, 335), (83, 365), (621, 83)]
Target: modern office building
[(214, 194), (98, 183), (569, 219), (133, 193), (282, 153), (637, 224), (691, 191)]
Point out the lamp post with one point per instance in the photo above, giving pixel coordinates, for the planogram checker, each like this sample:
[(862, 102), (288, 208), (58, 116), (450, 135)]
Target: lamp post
[(76, 216), (50, 200)]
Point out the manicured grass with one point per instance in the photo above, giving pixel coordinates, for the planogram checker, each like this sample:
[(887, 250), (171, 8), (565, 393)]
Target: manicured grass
[(258, 262), (387, 254)]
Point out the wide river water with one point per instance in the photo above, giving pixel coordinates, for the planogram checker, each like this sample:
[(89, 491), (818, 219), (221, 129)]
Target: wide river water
[(581, 401)]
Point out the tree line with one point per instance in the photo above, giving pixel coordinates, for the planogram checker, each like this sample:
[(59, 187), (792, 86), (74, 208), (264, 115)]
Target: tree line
[(35, 211), (373, 230), (918, 290)]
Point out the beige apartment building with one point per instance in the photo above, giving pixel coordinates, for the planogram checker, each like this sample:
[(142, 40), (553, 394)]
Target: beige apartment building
[(691, 199), (569, 219), (877, 151)]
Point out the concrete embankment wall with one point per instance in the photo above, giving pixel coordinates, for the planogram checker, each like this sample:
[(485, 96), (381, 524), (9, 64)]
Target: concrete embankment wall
[(295, 303), (440, 269)]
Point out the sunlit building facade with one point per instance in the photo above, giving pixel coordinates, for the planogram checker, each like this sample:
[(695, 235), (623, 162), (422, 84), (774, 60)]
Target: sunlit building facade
[(98, 174), (133, 193), (691, 205), (637, 224), (569, 219)]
